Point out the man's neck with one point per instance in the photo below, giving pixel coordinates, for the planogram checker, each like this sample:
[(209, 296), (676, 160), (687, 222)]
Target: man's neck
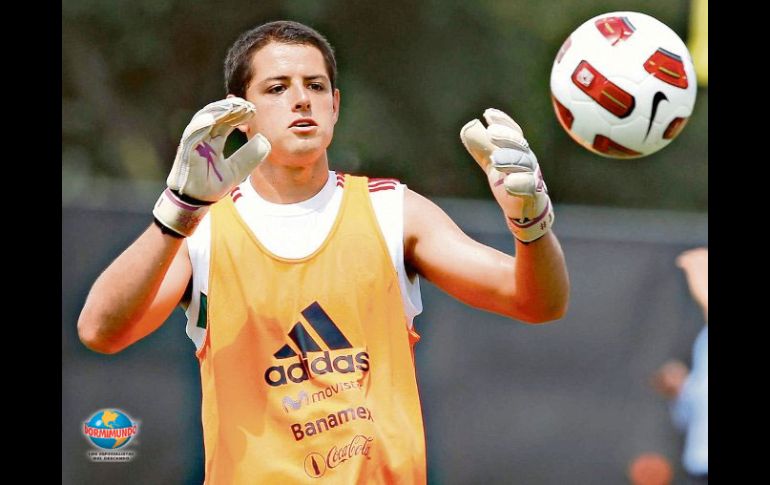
[(287, 185)]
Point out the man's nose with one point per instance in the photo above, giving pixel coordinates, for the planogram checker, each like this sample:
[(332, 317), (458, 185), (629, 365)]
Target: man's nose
[(302, 100)]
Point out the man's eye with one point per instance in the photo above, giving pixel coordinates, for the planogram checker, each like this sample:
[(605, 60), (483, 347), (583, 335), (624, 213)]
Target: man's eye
[(277, 89), (316, 86)]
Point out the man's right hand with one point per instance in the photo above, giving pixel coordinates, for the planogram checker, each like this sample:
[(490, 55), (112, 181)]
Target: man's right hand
[(201, 175)]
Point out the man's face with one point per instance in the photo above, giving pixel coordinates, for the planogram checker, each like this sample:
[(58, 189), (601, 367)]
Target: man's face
[(296, 108)]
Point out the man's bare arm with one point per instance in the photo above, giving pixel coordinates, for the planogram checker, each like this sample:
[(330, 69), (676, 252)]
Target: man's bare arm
[(140, 289), (136, 293), (532, 287)]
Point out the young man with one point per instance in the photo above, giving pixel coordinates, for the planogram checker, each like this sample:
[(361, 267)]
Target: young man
[(304, 281)]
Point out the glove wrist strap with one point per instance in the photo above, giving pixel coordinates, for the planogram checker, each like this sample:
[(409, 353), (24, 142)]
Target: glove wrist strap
[(179, 216), (527, 230)]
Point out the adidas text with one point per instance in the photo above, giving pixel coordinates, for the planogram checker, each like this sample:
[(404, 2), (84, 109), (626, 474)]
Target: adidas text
[(279, 375)]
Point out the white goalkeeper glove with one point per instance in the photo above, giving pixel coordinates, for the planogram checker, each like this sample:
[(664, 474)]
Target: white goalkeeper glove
[(513, 173), (201, 175)]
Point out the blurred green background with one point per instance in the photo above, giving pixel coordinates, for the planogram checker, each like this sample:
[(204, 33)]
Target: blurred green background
[(411, 74)]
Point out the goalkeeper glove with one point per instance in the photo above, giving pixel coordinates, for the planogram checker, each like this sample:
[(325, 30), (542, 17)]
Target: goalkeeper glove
[(201, 175), (513, 173)]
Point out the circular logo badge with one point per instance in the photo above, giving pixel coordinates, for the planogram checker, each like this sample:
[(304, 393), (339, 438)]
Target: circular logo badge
[(110, 429), (315, 465)]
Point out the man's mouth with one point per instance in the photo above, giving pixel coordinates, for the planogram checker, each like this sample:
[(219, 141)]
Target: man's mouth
[(303, 123)]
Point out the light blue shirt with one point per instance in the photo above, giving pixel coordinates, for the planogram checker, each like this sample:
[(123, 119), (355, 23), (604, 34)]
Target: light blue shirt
[(690, 410)]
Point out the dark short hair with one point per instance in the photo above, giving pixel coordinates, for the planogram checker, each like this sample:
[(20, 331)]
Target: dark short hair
[(238, 72)]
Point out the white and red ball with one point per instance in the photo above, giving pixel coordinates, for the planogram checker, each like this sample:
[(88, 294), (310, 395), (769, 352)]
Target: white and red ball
[(623, 85)]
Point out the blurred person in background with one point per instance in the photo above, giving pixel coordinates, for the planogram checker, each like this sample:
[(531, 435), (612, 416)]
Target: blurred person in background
[(687, 390), (300, 284)]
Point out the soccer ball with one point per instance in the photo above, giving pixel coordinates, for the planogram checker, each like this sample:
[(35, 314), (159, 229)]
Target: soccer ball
[(623, 85)]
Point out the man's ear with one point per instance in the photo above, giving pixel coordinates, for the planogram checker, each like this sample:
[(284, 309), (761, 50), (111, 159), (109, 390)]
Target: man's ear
[(336, 105)]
